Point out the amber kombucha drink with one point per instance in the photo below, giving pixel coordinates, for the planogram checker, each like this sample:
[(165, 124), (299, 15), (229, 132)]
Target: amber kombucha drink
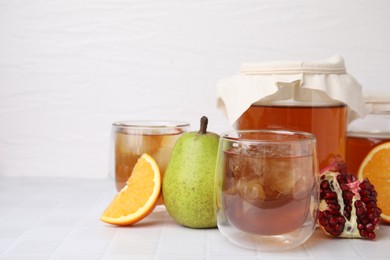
[(327, 122), (358, 146), (131, 139), (272, 194), (130, 147)]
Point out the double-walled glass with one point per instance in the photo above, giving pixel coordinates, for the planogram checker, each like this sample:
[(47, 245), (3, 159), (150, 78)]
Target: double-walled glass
[(267, 190), (131, 139)]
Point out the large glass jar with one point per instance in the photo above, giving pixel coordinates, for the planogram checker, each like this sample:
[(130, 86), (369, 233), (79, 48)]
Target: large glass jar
[(315, 97)]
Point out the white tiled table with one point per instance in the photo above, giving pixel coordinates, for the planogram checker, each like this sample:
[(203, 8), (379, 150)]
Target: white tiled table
[(59, 219)]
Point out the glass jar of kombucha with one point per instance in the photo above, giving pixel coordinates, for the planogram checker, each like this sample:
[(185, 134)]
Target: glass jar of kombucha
[(315, 97), (366, 133)]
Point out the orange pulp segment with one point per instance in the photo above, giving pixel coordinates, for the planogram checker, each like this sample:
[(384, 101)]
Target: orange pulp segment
[(376, 167), (139, 197)]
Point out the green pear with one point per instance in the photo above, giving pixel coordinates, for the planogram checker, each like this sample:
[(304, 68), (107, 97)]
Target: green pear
[(188, 184)]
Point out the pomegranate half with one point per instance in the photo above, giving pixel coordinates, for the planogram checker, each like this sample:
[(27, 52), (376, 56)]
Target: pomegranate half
[(348, 208)]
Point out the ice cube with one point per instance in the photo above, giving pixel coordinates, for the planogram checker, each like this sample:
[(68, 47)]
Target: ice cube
[(162, 157), (251, 188), (279, 177), (149, 144), (169, 140)]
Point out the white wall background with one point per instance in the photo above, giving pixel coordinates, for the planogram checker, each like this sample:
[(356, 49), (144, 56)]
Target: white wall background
[(69, 68)]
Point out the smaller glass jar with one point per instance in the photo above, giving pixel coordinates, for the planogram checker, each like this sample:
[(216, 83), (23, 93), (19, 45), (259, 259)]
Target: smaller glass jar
[(366, 133)]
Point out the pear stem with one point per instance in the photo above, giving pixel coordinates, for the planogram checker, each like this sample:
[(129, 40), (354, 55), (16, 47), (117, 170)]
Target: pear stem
[(203, 125)]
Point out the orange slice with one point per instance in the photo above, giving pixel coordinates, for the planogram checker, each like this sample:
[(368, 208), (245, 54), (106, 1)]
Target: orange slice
[(139, 197), (376, 167)]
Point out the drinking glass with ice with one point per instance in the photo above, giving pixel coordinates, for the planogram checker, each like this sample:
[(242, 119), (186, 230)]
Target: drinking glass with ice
[(267, 188)]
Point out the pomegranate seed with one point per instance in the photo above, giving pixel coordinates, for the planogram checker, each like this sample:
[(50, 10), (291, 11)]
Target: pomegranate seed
[(348, 195), (370, 205), (333, 212), (331, 202), (331, 195), (323, 222), (366, 199), (340, 219), (338, 228), (364, 185), (370, 227), (334, 206), (360, 211), (371, 235), (333, 221), (327, 214), (324, 184), (358, 203)]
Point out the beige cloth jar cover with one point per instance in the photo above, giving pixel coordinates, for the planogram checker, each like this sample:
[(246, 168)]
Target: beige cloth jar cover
[(378, 105), (288, 81)]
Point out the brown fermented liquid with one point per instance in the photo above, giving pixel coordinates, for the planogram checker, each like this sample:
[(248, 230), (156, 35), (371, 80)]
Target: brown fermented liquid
[(130, 146), (272, 194), (358, 148), (327, 123)]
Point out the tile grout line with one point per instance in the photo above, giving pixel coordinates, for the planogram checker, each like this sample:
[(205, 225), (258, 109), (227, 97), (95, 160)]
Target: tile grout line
[(208, 245), (23, 234), (75, 227), (350, 242), (159, 244), (110, 244)]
